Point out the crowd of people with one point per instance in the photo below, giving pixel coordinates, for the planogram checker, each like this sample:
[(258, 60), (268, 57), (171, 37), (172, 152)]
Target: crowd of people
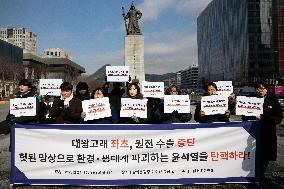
[(67, 109)]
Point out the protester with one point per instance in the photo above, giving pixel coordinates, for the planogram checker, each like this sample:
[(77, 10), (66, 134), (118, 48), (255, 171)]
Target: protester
[(199, 115), (133, 92), (272, 115), (66, 109), (100, 93), (26, 89), (173, 117), (115, 97), (82, 91)]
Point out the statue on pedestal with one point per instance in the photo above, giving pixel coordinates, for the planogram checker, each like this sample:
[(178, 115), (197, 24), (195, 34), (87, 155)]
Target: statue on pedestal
[(133, 15)]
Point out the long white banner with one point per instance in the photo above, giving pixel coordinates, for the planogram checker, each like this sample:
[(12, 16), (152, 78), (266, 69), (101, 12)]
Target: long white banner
[(104, 153)]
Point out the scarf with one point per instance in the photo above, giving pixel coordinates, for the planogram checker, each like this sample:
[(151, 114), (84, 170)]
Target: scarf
[(67, 100)]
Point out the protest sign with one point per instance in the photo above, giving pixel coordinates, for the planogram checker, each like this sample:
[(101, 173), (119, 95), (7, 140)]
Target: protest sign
[(133, 107), (134, 154), (50, 87), (224, 88), (249, 106), (180, 103), (214, 104), (117, 73), (23, 106), (96, 108), (153, 89)]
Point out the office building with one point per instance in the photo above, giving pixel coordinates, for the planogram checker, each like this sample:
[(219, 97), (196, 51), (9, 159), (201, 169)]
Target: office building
[(237, 41), (189, 78), (20, 37)]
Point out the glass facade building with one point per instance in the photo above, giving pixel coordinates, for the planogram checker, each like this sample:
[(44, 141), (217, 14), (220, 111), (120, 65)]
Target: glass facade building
[(236, 41), (10, 54), (278, 26)]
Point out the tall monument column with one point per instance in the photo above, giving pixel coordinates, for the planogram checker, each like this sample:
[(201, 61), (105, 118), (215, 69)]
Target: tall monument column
[(134, 56), (134, 44)]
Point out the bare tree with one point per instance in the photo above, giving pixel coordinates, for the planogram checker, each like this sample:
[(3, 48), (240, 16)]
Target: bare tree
[(9, 73)]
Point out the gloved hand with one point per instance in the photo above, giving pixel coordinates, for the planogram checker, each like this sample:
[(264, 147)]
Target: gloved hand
[(83, 115), (135, 119), (11, 118), (175, 113)]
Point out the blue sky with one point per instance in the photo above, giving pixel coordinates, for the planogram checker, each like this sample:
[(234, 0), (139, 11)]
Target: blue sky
[(92, 31)]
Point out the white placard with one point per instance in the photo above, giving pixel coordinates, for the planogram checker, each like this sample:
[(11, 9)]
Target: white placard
[(117, 73), (249, 106), (133, 107), (224, 88), (153, 89), (23, 106), (96, 108), (214, 104), (50, 87), (181, 103)]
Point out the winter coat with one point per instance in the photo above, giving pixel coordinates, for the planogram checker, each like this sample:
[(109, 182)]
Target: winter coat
[(69, 115), (272, 115)]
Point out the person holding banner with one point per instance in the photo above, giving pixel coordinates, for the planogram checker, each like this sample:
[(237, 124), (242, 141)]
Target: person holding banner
[(173, 117), (100, 93), (26, 89), (199, 115), (272, 115), (133, 92), (66, 109)]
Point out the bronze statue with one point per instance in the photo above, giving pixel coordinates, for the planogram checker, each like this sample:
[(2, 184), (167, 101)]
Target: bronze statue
[(133, 16)]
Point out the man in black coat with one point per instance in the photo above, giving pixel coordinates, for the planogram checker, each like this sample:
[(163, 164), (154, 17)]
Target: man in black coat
[(272, 115)]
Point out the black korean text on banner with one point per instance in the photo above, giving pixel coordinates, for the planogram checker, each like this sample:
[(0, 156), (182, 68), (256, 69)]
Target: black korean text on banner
[(117, 73), (23, 106), (118, 153), (96, 108), (50, 87), (214, 104), (224, 88), (249, 106), (133, 107), (153, 89), (180, 103)]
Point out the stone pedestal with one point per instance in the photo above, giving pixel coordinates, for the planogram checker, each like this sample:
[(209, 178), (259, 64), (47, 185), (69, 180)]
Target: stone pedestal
[(134, 56)]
